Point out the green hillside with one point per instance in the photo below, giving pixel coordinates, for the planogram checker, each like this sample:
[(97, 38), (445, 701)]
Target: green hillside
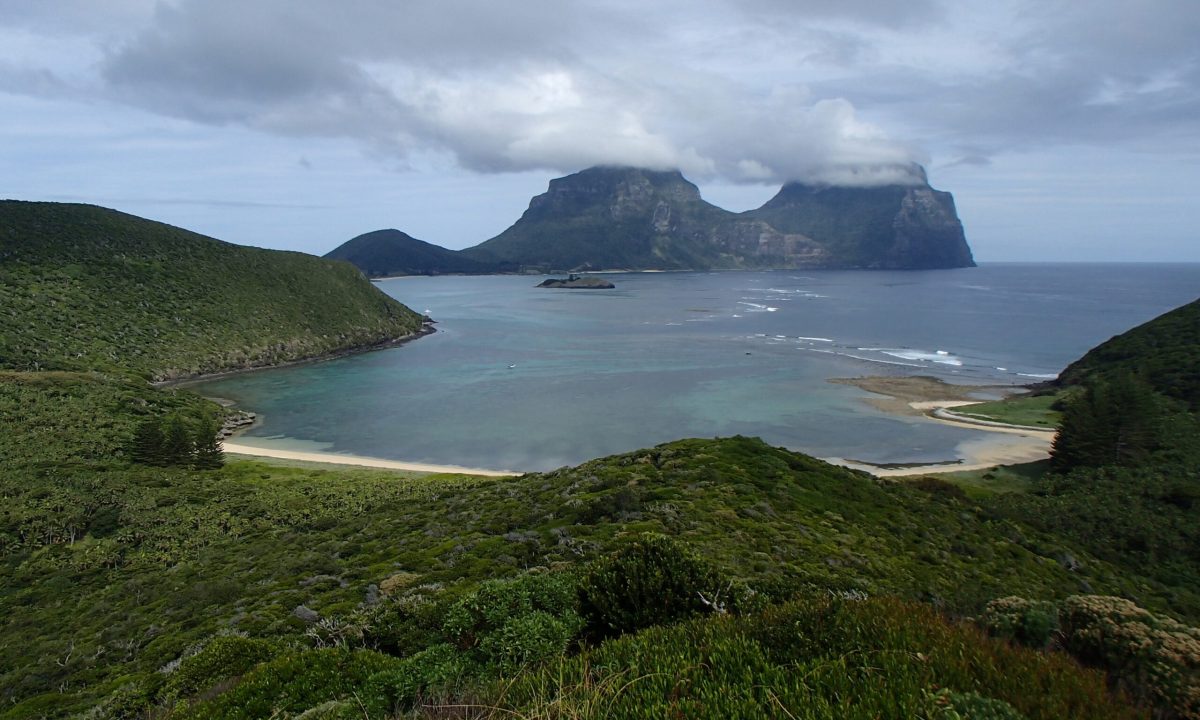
[(1164, 352), (391, 252), (86, 288)]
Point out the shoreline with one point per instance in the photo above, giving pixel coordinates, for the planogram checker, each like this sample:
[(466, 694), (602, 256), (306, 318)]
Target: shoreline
[(929, 398), (330, 458), (427, 328)]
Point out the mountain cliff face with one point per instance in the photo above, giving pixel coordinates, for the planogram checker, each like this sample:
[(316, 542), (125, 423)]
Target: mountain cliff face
[(391, 252), (893, 226), (629, 218), (618, 218)]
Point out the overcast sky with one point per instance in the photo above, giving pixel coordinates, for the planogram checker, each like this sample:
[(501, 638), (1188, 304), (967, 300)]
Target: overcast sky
[(1066, 130)]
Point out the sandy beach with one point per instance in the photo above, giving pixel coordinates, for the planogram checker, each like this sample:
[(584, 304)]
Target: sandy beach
[(926, 397), (234, 448), (931, 398)]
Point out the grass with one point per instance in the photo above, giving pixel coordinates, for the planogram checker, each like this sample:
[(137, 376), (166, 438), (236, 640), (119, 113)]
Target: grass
[(1026, 410), (999, 480)]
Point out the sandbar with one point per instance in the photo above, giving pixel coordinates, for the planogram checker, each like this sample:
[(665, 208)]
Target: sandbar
[(340, 459), (929, 398)]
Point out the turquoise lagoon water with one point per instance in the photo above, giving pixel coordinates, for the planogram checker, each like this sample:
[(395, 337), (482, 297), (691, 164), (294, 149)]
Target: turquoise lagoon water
[(531, 379)]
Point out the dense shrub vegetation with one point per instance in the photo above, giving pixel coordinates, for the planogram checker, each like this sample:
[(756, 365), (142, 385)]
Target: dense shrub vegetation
[(112, 570), (84, 288), (814, 658), (1161, 352)]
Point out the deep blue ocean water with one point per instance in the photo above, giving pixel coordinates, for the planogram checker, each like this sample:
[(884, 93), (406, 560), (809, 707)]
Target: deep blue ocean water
[(524, 378)]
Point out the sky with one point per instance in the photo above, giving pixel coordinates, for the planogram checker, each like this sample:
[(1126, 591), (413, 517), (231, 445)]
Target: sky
[(1067, 131)]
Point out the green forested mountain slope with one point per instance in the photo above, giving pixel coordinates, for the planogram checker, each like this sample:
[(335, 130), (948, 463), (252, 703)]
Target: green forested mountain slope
[(1164, 352), (86, 288), (391, 252)]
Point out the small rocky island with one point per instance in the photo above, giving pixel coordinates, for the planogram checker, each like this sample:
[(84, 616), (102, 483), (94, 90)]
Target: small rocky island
[(577, 282)]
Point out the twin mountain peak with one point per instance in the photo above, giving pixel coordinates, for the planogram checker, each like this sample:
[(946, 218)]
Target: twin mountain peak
[(622, 218)]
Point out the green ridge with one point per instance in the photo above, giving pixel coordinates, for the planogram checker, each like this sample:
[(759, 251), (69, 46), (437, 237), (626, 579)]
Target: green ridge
[(86, 288), (390, 252), (1164, 352)]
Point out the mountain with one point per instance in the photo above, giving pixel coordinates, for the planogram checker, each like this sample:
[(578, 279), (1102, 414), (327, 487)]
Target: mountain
[(390, 252), (631, 218), (1165, 352), (890, 227), (87, 288)]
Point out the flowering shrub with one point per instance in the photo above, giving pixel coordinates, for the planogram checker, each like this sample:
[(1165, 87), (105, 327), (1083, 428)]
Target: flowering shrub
[(1156, 659)]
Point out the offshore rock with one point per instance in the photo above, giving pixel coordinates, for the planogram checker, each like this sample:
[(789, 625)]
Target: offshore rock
[(576, 282)]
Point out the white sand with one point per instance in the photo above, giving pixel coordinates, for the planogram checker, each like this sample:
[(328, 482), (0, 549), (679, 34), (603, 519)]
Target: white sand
[(339, 459), (937, 404)]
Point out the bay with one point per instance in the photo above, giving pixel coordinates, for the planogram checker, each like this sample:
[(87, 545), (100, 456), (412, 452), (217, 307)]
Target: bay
[(523, 378)]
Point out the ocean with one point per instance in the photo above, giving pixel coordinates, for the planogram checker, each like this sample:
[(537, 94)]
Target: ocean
[(522, 378)]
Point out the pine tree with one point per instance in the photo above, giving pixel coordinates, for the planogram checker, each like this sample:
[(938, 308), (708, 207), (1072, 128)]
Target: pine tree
[(1136, 422), (1079, 442), (148, 441), (1114, 422), (178, 448), (209, 453)]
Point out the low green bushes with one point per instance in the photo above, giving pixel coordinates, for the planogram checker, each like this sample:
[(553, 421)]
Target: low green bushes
[(293, 683), (814, 658), (652, 581), (221, 659)]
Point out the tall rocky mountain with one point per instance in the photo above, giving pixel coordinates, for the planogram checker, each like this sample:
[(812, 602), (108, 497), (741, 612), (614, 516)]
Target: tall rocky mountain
[(890, 226), (607, 217), (391, 252), (636, 219), (620, 217)]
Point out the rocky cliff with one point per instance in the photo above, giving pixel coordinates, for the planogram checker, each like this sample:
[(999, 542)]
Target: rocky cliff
[(618, 217), (893, 226)]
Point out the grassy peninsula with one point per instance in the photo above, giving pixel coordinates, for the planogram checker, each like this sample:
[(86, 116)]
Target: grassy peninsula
[(699, 578)]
